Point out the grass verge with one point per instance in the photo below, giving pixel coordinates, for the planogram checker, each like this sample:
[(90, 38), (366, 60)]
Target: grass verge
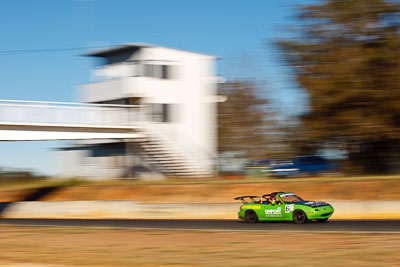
[(82, 246), (215, 190)]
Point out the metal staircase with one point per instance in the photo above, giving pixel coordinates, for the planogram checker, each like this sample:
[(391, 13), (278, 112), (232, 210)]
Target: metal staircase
[(161, 154)]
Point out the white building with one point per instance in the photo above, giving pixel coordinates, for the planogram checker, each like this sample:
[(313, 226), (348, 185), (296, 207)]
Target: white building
[(174, 98)]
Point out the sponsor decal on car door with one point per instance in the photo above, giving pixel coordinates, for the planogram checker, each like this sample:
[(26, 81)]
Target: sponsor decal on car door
[(273, 211)]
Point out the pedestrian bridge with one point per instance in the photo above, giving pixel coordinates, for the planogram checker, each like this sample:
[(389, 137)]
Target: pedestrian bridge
[(40, 120)]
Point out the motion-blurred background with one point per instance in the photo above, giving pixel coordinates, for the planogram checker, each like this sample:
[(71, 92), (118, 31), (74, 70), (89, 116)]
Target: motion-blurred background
[(325, 103), (155, 112)]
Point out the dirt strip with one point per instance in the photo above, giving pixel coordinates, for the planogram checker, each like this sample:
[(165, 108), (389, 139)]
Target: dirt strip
[(383, 189), (63, 246)]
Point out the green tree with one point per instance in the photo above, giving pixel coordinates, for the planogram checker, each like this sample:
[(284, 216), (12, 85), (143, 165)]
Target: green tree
[(346, 55), (247, 126), (241, 120)]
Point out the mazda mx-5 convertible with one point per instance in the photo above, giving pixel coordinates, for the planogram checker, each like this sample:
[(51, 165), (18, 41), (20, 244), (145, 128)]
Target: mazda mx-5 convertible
[(283, 206)]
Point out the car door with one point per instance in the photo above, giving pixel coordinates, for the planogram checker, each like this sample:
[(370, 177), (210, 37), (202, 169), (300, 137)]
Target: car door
[(273, 212), (287, 211)]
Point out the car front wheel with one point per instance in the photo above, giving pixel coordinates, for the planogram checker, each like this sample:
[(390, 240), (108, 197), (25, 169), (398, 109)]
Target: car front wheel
[(299, 217), (251, 216)]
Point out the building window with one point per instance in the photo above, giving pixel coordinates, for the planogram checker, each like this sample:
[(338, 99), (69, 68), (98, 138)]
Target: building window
[(162, 112), (166, 111), (157, 71), (148, 70), (165, 72)]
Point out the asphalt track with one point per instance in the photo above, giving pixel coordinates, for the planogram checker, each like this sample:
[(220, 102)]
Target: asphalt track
[(375, 226)]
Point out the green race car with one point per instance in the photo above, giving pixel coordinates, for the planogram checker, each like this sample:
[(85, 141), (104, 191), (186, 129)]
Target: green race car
[(281, 206)]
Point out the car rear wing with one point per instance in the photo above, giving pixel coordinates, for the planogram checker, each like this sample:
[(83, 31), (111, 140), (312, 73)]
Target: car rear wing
[(246, 199)]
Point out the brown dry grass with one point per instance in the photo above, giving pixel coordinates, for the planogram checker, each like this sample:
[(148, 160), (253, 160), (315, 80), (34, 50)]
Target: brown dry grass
[(64, 246), (220, 191)]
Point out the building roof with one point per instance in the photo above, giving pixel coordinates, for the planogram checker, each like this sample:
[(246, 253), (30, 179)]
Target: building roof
[(116, 49), (105, 52)]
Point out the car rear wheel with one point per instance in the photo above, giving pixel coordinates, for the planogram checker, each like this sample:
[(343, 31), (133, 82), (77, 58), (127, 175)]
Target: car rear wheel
[(299, 217), (322, 220), (251, 216)]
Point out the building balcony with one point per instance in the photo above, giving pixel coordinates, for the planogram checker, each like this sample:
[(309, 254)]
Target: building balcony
[(126, 87), (109, 89)]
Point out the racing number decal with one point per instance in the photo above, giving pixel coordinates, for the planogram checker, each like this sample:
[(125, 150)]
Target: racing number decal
[(289, 208)]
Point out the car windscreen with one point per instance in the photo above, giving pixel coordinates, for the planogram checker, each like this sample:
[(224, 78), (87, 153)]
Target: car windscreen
[(290, 198)]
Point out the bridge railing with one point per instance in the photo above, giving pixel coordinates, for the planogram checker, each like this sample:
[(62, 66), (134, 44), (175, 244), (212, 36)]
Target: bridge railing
[(70, 114)]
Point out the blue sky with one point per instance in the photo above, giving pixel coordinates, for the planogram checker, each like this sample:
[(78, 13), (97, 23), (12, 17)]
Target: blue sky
[(239, 32)]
